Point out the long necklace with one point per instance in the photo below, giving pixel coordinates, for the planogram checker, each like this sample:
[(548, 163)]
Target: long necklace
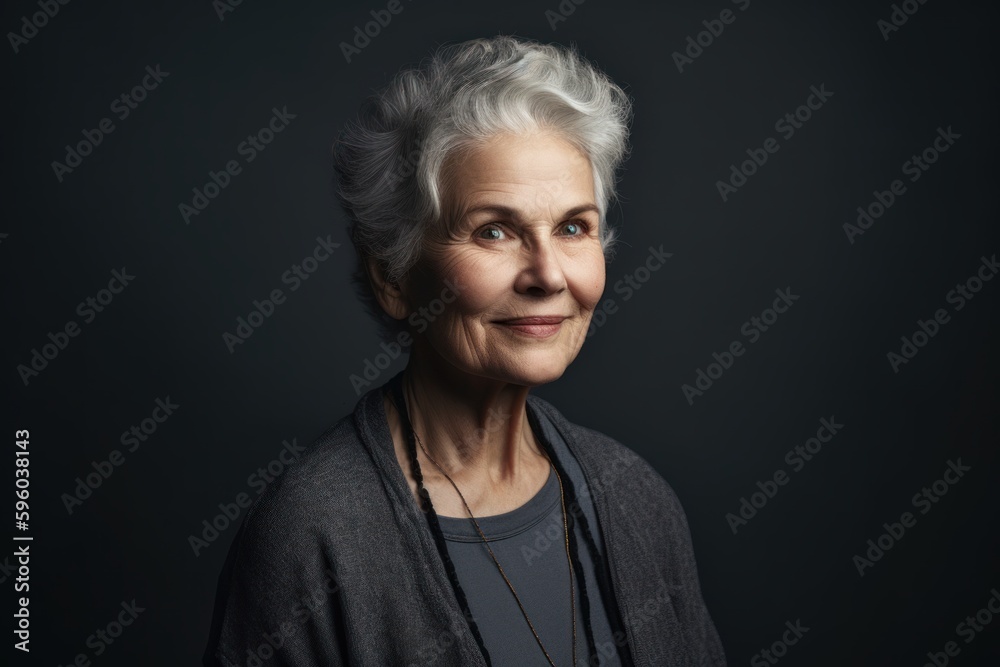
[(562, 497)]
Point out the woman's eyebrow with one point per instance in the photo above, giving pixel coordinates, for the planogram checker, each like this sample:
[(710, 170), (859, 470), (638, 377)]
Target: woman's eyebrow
[(508, 212)]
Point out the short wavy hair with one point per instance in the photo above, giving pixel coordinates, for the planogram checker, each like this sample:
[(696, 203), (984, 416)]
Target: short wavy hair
[(389, 161)]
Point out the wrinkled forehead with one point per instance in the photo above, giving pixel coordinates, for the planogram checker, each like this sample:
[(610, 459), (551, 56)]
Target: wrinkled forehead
[(525, 176)]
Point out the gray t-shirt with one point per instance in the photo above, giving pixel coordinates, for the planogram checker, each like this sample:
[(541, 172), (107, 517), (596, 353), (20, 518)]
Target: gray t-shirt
[(529, 543)]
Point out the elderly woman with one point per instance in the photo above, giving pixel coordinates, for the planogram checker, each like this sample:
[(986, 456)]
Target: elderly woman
[(455, 519)]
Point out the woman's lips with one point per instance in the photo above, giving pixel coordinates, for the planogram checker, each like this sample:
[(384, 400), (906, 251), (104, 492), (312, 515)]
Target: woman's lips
[(537, 327)]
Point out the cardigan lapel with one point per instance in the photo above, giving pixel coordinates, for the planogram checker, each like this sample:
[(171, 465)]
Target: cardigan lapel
[(445, 616), (605, 474), (642, 541)]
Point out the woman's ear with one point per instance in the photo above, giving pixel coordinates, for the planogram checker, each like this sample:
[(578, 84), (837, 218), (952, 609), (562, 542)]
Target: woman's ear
[(389, 294)]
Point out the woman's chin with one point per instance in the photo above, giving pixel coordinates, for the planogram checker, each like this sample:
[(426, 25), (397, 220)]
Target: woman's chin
[(533, 373)]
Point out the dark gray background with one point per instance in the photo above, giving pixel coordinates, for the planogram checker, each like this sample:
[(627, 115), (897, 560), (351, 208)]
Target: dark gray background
[(825, 357)]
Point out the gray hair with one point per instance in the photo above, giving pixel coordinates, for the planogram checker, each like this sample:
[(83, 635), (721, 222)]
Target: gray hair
[(389, 161)]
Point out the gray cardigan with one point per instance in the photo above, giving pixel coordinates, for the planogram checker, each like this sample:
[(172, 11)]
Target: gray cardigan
[(335, 563)]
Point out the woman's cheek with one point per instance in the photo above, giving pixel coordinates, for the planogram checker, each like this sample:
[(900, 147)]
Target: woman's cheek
[(483, 282), (592, 278)]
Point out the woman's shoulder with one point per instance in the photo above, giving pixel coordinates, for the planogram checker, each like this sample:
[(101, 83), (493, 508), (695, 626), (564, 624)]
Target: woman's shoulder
[(329, 484), (278, 563), (624, 480)]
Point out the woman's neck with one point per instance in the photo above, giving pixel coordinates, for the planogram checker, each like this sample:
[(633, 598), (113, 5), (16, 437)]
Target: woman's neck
[(478, 431)]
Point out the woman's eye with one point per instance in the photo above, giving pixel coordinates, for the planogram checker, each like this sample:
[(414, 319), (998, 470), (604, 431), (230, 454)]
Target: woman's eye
[(491, 233), (576, 228)]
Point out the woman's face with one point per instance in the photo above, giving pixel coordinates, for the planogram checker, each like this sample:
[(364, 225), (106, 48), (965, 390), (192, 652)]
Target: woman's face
[(523, 244)]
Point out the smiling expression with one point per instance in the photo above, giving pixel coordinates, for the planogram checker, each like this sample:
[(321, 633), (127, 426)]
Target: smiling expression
[(521, 242)]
